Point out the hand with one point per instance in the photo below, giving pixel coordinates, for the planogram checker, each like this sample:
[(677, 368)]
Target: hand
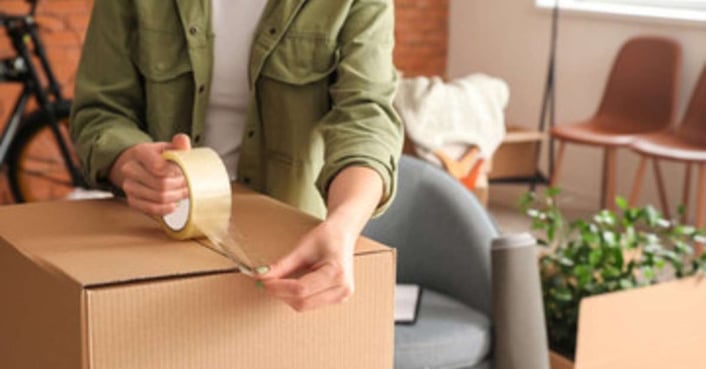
[(325, 257), (151, 184)]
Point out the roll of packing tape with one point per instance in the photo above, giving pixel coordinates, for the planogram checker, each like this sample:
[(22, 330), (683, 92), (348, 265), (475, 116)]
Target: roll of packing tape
[(209, 201)]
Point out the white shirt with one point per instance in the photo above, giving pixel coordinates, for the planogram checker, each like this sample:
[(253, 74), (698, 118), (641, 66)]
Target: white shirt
[(234, 24)]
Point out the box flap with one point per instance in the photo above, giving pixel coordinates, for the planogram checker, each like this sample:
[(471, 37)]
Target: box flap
[(102, 242), (656, 327), (271, 229)]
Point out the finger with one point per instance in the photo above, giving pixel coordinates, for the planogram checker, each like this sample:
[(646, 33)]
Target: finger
[(151, 208), (139, 173), (180, 141), (174, 170), (289, 264), (332, 296), (321, 279), (150, 157), (139, 190)]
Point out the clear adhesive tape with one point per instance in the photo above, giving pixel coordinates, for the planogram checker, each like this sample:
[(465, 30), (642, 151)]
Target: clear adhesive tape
[(209, 201)]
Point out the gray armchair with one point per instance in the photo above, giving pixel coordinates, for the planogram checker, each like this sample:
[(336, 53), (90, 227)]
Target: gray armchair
[(443, 237)]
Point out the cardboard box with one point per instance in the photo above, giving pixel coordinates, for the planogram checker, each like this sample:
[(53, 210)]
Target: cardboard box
[(657, 327), (516, 156), (96, 285)]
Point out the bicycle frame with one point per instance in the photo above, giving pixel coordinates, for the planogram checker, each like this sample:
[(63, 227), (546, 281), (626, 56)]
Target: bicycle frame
[(23, 32)]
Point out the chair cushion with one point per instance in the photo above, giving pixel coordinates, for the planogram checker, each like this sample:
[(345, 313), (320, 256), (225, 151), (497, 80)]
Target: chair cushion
[(447, 334)]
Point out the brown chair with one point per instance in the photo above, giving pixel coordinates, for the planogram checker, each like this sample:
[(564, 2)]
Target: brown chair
[(685, 143), (640, 97)]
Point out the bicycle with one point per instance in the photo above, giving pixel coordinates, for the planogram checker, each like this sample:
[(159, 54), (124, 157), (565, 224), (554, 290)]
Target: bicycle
[(41, 164)]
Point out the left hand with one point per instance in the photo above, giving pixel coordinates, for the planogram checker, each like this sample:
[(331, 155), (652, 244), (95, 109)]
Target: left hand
[(318, 272)]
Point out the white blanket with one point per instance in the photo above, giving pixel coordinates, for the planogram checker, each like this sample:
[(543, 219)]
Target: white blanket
[(453, 116)]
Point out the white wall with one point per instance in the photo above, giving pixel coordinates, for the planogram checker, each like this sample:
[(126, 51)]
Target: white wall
[(510, 39)]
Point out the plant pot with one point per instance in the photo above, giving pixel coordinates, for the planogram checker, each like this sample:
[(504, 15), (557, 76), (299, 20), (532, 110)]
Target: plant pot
[(557, 361)]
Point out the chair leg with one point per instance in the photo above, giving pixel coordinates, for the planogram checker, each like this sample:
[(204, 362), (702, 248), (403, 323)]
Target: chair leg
[(608, 190), (685, 193), (637, 184), (700, 205), (557, 164), (700, 190), (660, 188)]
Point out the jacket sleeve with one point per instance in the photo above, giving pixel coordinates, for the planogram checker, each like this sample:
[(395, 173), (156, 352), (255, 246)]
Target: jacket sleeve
[(107, 115), (363, 128)]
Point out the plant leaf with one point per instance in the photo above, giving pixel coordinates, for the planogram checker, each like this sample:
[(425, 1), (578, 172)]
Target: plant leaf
[(594, 258), (583, 274), (552, 192), (621, 202)]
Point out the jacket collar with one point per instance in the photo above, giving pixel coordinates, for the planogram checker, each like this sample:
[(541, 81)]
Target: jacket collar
[(276, 19)]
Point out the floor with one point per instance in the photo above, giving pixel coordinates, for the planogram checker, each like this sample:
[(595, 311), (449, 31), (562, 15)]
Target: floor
[(503, 207)]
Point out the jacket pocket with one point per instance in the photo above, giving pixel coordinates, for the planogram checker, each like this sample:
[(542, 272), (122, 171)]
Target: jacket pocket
[(163, 60), (161, 56), (302, 59)]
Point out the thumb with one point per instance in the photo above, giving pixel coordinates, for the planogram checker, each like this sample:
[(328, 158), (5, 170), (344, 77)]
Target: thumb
[(287, 265), (180, 141)]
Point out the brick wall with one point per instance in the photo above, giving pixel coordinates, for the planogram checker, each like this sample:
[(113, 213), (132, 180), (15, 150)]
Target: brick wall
[(62, 27), (422, 36), (421, 33)]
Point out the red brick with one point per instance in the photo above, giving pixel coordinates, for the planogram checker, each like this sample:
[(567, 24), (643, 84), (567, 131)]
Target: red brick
[(421, 35), (64, 72), (67, 88), (61, 39), (50, 23), (79, 22), (63, 7), (14, 6), (6, 49)]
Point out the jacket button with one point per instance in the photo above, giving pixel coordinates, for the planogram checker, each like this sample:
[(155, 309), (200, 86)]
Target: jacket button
[(273, 31), (193, 30), (251, 133), (197, 138), (202, 88), (246, 180)]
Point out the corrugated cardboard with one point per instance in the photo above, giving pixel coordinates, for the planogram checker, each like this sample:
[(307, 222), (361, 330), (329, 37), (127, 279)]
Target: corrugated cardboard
[(658, 327), (96, 285)]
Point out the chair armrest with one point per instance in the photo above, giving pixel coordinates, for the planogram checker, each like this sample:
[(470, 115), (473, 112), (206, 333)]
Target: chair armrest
[(442, 235)]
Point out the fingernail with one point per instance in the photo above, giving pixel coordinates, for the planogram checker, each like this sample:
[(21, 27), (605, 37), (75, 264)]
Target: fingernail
[(260, 285), (262, 270)]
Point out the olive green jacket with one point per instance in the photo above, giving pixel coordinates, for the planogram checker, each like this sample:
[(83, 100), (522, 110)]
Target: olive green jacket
[(321, 79)]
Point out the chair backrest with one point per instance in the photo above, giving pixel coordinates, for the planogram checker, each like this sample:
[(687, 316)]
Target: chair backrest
[(693, 126), (641, 92), (441, 233)]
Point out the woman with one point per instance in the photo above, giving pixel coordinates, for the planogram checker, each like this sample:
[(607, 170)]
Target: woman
[(295, 95)]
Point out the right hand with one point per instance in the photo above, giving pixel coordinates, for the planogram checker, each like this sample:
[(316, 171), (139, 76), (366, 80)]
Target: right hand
[(151, 184)]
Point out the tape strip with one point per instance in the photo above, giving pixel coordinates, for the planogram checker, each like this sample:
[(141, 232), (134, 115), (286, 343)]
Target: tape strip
[(207, 210)]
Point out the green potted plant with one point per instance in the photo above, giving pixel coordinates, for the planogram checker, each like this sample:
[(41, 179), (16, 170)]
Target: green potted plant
[(611, 251)]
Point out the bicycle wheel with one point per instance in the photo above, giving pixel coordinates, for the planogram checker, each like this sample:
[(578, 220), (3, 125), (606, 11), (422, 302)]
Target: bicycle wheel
[(36, 168)]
